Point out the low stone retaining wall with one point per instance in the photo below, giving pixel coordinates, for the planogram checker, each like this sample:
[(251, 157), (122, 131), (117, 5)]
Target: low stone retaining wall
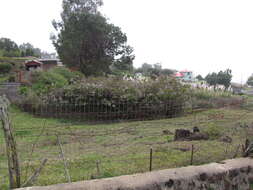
[(228, 175)]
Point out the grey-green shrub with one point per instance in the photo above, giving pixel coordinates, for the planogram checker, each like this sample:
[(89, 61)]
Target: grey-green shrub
[(5, 68)]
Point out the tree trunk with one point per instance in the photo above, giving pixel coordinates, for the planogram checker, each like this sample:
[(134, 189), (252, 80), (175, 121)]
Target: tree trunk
[(11, 147)]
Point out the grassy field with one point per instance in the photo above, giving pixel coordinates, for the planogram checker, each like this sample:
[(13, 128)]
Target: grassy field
[(106, 150)]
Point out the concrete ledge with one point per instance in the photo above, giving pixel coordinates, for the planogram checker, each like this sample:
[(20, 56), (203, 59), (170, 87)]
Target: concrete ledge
[(230, 174)]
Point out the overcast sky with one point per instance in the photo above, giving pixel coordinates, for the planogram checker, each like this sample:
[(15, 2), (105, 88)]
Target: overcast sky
[(198, 35)]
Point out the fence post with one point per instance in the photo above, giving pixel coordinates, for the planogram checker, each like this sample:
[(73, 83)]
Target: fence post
[(11, 146), (64, 160), (150, 159), (98, 169), (192, 152)]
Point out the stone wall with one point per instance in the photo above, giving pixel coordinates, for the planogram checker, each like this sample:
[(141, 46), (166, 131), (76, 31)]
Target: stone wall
[(228, 175), (11, 90)]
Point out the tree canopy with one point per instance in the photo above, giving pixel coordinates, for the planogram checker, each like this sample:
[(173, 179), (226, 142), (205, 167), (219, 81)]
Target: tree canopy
[(199, 77), (153, 70), (222, 78), (212, 79), (8, 48), (27, 49), (87, 41)]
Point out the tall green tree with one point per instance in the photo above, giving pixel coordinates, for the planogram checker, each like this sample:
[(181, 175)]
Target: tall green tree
[(9, 48), (199, 77), (86, 40), (224, 78), (154, 70), (28, 49), (212, 79)]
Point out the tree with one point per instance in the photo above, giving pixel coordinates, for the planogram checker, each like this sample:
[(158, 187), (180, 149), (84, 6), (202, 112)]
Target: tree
[(212, 79), (224, 78), (199, 77), (153, 70), (125, 63), (250, 81), (85, 40), (157, 66), (9, 48), (167, 72)]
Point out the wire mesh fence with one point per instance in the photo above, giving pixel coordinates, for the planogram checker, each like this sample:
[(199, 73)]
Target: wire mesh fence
[(94, 110)]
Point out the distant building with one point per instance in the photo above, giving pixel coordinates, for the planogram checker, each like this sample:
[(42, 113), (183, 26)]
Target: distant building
[(185, 75), (33, 65), (42, 64), (237, 88)]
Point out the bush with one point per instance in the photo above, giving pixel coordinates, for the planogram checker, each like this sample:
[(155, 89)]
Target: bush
[(44, 82), (110, 89), (12, 78), (213, 131), (111, 98), (5, 68), (202, 98), (67, 74)]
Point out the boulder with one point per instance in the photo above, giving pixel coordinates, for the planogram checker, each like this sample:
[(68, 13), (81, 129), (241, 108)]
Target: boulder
[(182, 134), (198, 136)]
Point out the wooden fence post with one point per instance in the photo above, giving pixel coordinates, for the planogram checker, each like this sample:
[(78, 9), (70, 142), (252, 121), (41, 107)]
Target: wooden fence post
[(11, 146), (192, 152), (64, 160), (150, 159), (98, 168)]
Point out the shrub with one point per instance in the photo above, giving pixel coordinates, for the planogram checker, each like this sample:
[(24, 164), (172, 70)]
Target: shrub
[(12, 78), (112, 98), (67, 74), (213, 131), (5, 68), (202, 98), (44, 82), (110, 89)]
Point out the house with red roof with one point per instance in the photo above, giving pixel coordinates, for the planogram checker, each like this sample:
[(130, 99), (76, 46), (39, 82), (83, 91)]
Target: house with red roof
[(185, 75)]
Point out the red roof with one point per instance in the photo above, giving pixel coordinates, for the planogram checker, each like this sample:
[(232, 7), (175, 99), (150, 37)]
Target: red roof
[(33, 63), (179, 74)]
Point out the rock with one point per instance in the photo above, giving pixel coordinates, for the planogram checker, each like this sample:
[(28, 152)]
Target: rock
[(181, 134), (196, 130), (226, 139), (198, 136), (186, 135)]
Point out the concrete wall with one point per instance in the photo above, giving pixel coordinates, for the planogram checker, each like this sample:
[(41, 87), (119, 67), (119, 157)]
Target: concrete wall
[(228, 175), (11, 90)]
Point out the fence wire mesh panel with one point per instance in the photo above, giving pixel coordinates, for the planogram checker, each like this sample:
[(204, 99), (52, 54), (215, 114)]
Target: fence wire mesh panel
[(102, 108), (79, 150)]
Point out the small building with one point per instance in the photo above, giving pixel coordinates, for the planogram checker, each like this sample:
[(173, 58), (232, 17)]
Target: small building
[(42, 64), (185, 75), (237, 88), (33, 65)]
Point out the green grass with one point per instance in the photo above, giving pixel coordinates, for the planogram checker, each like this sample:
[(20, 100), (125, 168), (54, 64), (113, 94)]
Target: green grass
[(121, 148)]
